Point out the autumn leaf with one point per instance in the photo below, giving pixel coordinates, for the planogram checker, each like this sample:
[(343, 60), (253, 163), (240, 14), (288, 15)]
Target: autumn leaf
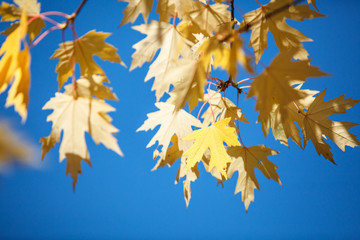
[(14, 68), (75, 117), (172, 122), (135, 8), (244, 161), (286, 37), (212, 138), (286, 121), (210, 17), (89, 86), (191, 175), (172, 46), (190, 78), (10, 12), (169, 157), (81, 51), (317, 125), (168, 8), (220, 108), (273, 87), (223, 55)]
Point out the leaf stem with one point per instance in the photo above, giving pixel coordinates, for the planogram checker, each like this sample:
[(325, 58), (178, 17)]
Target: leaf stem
[(55, 13), (258, 3), (237, 122), (44, 34), (50, 20)]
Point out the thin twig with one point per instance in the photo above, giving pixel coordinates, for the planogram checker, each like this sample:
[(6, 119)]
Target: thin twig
[(80, 7)]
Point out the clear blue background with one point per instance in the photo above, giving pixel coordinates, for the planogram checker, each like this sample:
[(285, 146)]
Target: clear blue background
[(121, 198)]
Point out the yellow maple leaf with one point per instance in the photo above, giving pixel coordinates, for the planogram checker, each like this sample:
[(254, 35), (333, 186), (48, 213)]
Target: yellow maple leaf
[(222, 55), (14, 68), (212, 138), (286, 37), (317, 125), (244, 161), (81, 51), (135, 8), (286, 121), (275, 85), (75, 117), (10, 12)]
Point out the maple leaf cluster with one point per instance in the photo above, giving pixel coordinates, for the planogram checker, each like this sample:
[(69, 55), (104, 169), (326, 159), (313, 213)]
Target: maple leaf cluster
[(185, 47), (193, 39)]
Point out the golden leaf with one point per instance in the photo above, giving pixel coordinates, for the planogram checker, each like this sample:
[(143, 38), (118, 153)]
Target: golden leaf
[(14, 68), (286, 37), (244, 161), (317, 125), (135, 8), (10, 12), (212, 138), (273, 87), (81, 51)]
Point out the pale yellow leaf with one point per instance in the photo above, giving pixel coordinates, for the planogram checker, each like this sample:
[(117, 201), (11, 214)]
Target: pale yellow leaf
[(190, 78), (89, 86), (75, 117), (172, 122), (210, 17), (221, 108), (173, 45)]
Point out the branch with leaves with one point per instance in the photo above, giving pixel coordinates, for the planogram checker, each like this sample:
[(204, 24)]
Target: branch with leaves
[(199, 125)]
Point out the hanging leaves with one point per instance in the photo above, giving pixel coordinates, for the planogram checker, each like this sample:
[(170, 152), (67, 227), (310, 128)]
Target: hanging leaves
[(12, 13), (75, 117), (81, 51), (14, 69), (196, 54), (286, 38)]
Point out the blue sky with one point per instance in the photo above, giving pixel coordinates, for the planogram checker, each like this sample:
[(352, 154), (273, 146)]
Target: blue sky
[(121, 197)]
